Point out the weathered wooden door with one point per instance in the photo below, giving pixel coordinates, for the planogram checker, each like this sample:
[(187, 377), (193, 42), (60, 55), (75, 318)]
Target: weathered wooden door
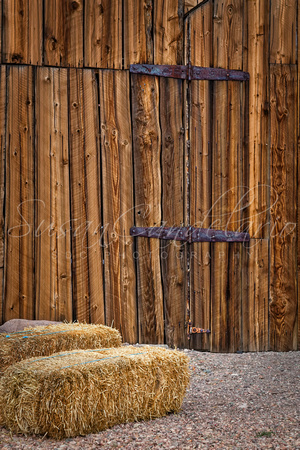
[(158, 148), (218, 146), (229, 281), (190, 142)]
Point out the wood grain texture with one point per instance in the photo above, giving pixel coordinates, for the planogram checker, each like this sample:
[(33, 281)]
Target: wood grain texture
[(256, 168), (255, 308), (147, 176), (168, 32), (2, 178), (118, 203), (228, 34), (19, 213), (227, 157), (283, 30), (2, 157), (200, 205), (103, 34), (87, 252), (283, 246), (138, 32), (201, 54), (172, 253), (190, 4), (226, 297), (201, 39), (201, 293), (1, 28), (63, 33), (227, 153), (22, 31), (53, 241), (1, 291)]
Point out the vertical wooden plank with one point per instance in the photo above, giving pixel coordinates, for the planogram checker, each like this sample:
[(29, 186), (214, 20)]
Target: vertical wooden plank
[(53, 256), (190, 4), (227, 154), (168, 32), (1, 293), (256, 168), (228, 34), (200, 42), (200, 36), (200, 205), (283, 30), (63, 34), (138, 32), (255, 296), (226, 293), (118, 205), (147, 176), (172, 253), (19, 222), (1, 29), (22, 31), (87, 254), (2, 178), (103, 34), (283, 246)]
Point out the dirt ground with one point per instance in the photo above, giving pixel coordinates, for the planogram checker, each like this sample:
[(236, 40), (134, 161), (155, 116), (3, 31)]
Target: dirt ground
[(234, 401)]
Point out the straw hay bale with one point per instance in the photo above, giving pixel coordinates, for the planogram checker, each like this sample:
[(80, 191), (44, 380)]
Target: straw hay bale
[(84, 392), (46, 340)]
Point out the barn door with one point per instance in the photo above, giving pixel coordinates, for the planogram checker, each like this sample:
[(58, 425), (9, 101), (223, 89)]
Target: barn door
[(189, 139), (158, 148), (218, 176)]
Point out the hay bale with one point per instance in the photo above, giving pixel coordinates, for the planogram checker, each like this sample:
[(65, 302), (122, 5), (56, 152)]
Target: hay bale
[(46, 340), (84, 392)]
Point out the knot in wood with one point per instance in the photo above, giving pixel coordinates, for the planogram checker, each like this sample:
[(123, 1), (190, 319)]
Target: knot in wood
[(75, 5), (230, 10), (16, 57), (53, 43)]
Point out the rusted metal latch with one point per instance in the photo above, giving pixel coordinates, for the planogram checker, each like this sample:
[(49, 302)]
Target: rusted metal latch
[(189, 234), (195, 330), (190, 72)]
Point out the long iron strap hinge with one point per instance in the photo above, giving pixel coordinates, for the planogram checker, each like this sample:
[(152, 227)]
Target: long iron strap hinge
[(190, 72), (189, 234)]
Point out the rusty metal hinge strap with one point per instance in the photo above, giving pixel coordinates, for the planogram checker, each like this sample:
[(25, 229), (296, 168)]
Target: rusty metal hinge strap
[(190, 72), (189, 234)]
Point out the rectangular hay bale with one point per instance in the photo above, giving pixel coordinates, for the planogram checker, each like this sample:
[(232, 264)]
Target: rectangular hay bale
[(84, 392), (46, 340)]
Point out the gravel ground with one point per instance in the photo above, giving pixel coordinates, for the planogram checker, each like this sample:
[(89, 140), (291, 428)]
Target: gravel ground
[(238, 401)]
